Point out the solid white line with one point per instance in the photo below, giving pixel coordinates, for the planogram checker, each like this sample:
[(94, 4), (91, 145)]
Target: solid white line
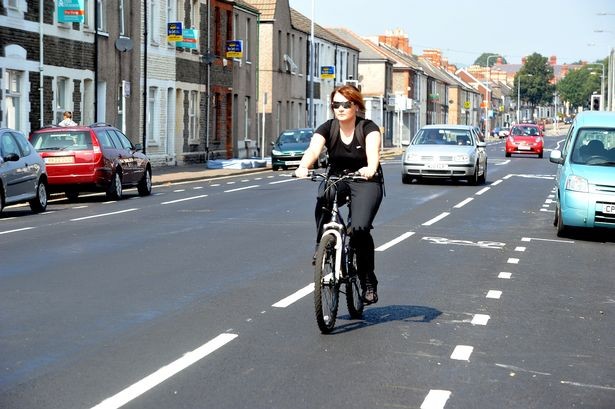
[(505, 275), (393, 242), (462, 352), (483, 190), (241, 188), (495, 294), (16, 230), (497, 182), (103, 215), (435, 399), (586, 385), (137, 389), (297, 295), (463, 203), (480, 319), (436, 219), (183, 200), (283, 181)]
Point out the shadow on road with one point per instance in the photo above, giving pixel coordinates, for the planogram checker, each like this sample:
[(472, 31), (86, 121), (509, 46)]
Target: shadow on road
[(389, 313)]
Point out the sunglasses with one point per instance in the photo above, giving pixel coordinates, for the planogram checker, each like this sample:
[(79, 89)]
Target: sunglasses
[(336, 104)]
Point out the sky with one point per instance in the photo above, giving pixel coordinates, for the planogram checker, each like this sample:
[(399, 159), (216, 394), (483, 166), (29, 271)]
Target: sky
[(463, 30)]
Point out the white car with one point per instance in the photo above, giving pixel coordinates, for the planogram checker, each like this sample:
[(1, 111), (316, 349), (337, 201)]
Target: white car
[(504, 132), (446, 152)]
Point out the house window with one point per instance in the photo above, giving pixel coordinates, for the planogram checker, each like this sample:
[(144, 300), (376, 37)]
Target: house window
[(195, 14), (62, 100), (246, 118), (246, 40), (13, 98), (154, 21), (101, 23), (152, 114), (87, 7), (122, 28), (193, 104)]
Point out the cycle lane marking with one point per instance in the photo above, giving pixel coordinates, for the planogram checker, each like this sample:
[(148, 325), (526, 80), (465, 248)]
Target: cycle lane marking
[(395, 241), (294, 297), (154, 379)]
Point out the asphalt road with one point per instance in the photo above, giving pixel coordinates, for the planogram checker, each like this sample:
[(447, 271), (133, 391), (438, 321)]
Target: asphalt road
[(198, 297)]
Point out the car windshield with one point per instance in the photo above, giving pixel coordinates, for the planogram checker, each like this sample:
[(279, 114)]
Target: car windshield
[(525, 131), (62, 140), (296, 136), (443, 137), (594, 147)]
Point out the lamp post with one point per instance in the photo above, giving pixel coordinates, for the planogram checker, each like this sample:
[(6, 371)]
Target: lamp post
[(519, 94), (487, 88)]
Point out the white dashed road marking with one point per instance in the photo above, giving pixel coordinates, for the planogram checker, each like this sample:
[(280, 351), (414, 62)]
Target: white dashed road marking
[(436, 219), (435, 399), (505, 275), (183, 200), (16, 230), (462, 352), (463, 203), (295, 296), (513, 260), (395, 241), (480, 319), (495, 294), (103, 215)]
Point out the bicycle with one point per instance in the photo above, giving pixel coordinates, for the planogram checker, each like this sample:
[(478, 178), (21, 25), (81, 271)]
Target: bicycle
[(336, 263)]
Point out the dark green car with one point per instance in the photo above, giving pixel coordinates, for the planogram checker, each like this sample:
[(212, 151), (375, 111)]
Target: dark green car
[(288, 149)]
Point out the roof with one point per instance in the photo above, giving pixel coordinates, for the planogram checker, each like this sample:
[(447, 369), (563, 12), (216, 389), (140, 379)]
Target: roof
[(595, 118), (369, 51), (266, 7), (304, 24)]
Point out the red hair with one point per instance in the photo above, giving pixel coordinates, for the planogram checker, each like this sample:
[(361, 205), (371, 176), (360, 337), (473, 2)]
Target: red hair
[(352, 94)]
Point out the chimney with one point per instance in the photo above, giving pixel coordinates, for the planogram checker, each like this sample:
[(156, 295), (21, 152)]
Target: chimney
[(553, 60), (397, 39)]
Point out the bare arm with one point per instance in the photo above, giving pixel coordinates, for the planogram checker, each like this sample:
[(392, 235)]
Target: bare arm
[(372, 150), (310, 155)]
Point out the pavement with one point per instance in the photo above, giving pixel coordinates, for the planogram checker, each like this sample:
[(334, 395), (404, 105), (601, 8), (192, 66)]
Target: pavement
[(184, 173)]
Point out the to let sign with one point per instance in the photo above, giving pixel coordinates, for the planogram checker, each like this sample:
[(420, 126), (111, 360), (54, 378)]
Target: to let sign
[(174, 32), (327, 72), (234, 49), (71, 11)]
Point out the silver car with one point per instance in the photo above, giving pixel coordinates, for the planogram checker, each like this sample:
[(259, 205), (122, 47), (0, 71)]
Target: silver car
[(445, 151), (22, 172)]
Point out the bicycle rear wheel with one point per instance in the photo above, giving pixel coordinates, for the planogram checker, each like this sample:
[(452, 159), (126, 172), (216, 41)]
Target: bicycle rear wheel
[(326, 286), (354, 301)]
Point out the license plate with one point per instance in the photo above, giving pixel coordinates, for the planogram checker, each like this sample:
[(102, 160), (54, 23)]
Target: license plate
[(436, 166), (609, 208), (524, 148), (59, 159), (292, 162)]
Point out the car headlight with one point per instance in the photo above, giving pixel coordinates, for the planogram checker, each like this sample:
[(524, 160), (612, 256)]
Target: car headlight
[(577, 184), (412, 157), (276, 152), (462, 158)]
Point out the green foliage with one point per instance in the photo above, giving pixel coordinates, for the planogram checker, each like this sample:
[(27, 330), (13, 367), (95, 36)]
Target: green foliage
[(536, 77), (578, 85), (492, 57)]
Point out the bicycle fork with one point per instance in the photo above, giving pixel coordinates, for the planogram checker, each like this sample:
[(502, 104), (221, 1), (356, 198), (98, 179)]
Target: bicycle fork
[(332, 229)]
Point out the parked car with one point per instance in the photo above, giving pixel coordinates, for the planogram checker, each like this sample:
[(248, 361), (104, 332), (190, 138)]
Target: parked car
[(504, 132), (23, 177), (525, 139), (585, 179), (289, 147), (98, 157), (445, 151), (568, 120)]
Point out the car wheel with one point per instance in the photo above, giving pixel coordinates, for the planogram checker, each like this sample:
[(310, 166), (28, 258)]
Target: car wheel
[(561, 228), (114, 192), (474, 179), (540, 155), (1, 198), (39, 203), (406, 179), (508, 154), (145, 184), (275, 168), (482, 179)]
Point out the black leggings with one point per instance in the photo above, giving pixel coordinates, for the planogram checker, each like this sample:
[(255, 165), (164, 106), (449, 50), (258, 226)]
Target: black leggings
[(365, 199)]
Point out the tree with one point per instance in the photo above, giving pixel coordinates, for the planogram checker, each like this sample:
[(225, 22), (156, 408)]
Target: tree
[(536, 77), (492, 57), (578, 85)]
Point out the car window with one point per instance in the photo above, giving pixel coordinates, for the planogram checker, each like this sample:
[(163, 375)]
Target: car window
[(62, 140), (124, 140), (566, 146), (594, 146), (23, 144), (9, 145), (104, 139), (116, 140)]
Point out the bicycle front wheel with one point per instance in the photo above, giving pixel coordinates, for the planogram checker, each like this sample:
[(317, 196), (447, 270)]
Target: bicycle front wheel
[(326, 285)]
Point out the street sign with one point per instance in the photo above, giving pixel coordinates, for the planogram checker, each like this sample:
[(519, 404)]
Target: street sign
[(467, 105)]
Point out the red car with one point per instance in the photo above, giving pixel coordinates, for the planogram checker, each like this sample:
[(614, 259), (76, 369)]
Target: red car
[(525, 139), (98, 157)]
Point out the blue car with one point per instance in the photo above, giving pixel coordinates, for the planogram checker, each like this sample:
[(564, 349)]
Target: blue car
[(586, 173)]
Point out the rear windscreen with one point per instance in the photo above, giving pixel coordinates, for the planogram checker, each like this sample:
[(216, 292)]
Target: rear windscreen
[(62, 141)]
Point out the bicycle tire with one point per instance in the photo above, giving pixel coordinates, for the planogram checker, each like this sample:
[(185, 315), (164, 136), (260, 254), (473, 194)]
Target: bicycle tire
[(326, 285), (354, 301)]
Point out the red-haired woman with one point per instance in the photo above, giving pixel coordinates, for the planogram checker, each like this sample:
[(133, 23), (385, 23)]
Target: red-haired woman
[(348, 153)]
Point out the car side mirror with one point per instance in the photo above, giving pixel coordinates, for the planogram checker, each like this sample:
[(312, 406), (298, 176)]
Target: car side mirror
[(11, 157), (138, 147), (481, 144), (556, 157), (405, 143)]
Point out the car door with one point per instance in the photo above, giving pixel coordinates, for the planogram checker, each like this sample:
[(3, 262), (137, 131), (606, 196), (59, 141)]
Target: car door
[(129, 160), (14, 172)]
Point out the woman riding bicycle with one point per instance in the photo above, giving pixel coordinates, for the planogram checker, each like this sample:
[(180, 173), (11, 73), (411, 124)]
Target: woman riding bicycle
[(349, 153)]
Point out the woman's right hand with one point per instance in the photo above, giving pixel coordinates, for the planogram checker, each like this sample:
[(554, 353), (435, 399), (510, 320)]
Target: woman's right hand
[(301, 172)]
